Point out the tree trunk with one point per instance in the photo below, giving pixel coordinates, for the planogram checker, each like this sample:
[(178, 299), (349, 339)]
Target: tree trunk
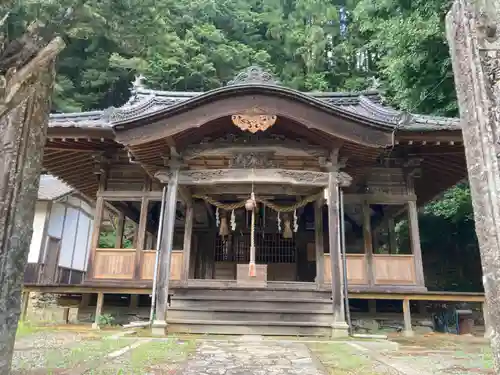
[(473, 35), (23, 129)]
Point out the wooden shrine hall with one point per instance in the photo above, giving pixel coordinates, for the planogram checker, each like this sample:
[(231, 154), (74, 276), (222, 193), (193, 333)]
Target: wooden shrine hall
[(268, 205)]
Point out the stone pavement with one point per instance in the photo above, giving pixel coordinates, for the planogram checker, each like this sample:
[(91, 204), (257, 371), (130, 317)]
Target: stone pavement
[(251, 356)]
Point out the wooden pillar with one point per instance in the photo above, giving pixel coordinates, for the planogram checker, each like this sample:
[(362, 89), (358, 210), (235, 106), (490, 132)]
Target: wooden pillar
[(99, 211), (188, 231), (134, 301), (98, 310), (372, 306), (167, 238), (415, 242), (391, 228), (119, 231), (66, 315), (368, 242), (141, 237), (408, 330), (319, 241), (24, 305), (339, 326)]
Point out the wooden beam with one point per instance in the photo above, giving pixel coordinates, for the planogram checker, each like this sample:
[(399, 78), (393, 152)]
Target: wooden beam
[(257, 176), (111, 195)]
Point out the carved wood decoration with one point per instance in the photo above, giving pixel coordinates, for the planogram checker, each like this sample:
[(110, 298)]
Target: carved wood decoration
[(248, 142), (252, 160), (258, 176), (254, 120)]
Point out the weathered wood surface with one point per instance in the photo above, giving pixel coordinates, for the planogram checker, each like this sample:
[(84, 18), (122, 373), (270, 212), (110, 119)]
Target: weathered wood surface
[(26, 89), (473, 35), (249, 176)]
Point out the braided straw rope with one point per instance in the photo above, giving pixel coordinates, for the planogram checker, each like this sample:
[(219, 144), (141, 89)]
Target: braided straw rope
[(265, 202)]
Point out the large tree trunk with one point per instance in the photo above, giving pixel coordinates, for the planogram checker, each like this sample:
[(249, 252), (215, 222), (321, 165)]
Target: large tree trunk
[(24, 111), (473, 34)]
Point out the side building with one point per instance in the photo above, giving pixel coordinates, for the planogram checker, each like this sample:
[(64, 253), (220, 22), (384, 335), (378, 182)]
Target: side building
[(62, 227)]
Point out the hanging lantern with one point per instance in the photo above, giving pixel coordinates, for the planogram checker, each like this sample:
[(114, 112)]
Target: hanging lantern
[(287, 230), (224, 229)]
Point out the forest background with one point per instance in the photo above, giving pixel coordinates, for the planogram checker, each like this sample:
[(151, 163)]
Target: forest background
[(395, 46)]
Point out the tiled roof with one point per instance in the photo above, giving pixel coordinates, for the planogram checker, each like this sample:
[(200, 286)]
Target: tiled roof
[(145, 101), (52, 188)]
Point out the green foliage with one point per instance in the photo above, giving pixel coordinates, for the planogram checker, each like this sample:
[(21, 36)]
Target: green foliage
[(106, 320)]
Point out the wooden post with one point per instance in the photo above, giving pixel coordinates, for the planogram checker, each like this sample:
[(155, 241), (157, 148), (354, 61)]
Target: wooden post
[(119, 231), (96, 229), (473, 36), (372, 306), (368, 243), (66, 315), (166, 244), (134, 301), (393, 246), (408, 331), (24, 305), (415, 242), (98, 310), (141, 237), (339, 326), (188, 232), (319, 241)]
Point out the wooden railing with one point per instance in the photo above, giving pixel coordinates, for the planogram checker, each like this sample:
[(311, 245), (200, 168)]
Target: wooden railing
[(119, 264), (386, 269)]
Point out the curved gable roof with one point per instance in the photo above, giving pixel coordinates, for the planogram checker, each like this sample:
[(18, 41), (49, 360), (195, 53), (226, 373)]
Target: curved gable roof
[(146, 105)]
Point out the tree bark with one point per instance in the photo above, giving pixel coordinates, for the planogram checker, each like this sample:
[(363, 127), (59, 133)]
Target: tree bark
[(473, 35), (25, 106)]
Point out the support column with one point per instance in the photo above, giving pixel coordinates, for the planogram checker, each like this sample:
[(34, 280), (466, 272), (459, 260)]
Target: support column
[(319, 241), (119, 231), (66, 315), (98, 310), (188, 231), (368, 242), (339, 326), (408, 330), (141, 237), (94, 243), (393, 246), (415, 242), (160, 323)]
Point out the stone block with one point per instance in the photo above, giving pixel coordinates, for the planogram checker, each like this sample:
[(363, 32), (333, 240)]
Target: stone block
[(244, 279)]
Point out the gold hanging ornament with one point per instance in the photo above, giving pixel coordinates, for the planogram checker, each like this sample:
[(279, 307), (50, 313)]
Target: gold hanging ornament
[(254, 120)]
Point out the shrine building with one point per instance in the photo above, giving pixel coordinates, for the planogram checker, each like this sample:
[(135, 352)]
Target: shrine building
[(271, 208)]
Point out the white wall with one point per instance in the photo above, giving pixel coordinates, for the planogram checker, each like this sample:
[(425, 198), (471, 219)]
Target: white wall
[(70, 222), (68, 237), (41, 208)]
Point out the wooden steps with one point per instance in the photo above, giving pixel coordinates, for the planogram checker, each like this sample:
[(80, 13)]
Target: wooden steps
[(263, 312)]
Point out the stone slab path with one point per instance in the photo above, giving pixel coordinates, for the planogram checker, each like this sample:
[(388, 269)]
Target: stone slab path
[(251, 356)]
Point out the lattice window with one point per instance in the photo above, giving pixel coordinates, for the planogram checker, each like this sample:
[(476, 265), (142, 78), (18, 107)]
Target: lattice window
[(270, 248)]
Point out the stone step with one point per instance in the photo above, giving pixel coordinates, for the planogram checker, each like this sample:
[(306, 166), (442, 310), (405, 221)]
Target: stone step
[(247, 314), (269, 328)]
